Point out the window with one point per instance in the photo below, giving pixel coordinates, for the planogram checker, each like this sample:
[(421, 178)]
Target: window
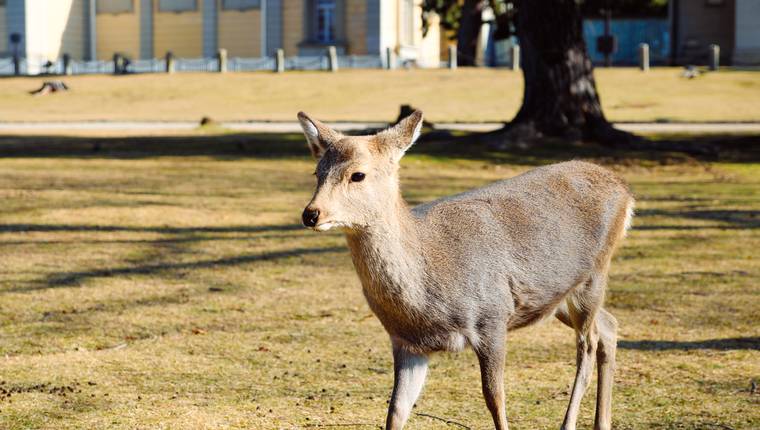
[(115, 6), (240, 4), (177, 5), (325, 26)]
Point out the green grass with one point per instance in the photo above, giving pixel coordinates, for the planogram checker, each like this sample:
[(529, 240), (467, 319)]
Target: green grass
[(374, 95), (164, 282)]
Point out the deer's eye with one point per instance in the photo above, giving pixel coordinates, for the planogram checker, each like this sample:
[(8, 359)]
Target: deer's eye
[(357, 177)]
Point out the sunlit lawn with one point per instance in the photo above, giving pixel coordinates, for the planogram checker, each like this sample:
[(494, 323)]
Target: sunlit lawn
[(166, 283), (467, 94)]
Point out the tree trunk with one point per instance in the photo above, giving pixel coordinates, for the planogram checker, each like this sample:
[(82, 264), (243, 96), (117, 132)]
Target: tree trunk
[(469, 29), (560, 96)]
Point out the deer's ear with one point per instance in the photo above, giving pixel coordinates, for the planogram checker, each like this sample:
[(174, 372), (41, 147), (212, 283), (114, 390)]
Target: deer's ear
[(318, 136), (403, 135)]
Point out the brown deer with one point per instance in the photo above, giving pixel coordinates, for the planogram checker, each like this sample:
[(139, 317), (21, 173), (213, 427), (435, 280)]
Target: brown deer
[(466, 269)]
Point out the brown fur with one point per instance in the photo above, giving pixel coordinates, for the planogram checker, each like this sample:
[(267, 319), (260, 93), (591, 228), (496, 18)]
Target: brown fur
[(464, 269)]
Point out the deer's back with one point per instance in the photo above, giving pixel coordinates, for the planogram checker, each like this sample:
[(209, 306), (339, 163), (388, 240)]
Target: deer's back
[(529, 238)]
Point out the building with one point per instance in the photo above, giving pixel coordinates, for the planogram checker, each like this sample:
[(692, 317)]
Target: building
[(142, 29), (734, 25)]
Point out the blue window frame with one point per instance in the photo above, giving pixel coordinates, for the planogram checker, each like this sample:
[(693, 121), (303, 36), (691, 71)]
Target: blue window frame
[(325, 25), (240, 4), (115, 6), (177, 5)]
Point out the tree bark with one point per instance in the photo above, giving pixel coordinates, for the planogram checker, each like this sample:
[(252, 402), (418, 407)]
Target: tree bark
[(469, 29), (560, 96)]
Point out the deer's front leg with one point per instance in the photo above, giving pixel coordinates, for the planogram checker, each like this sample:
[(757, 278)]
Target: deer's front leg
[(409, 372), (491, 355)]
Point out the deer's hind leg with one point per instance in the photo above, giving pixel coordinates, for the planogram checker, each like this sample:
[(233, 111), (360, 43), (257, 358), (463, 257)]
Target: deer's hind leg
[(580, 312), (605, 363)]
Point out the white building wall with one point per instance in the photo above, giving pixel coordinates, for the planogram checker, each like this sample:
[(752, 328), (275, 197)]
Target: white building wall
[(747, 37), (429, 46), (395, 30), (388, 25), (52, 29)]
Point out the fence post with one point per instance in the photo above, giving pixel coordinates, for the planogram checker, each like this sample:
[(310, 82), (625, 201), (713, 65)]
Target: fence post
[(714, 60), (118, 64), (170, 66), (452, 57), (644, 56), (221, 58), (332, 58), (279, 62), (515, 64), (390, 58), (67, 68), (16, 64), (15, 39)]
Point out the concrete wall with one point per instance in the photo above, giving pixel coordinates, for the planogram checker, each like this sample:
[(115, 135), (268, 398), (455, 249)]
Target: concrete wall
[(747, 38), (356, 28), (700, 25), (178, 32), (292, 25), (240, 32), (146, 29), (74, 39), (118, 33)]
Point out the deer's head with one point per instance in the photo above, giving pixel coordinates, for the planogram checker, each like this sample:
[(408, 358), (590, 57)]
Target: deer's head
[(357, 176)]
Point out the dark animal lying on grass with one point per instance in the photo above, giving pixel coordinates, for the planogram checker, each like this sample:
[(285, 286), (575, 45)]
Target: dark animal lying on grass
[(50, 87)]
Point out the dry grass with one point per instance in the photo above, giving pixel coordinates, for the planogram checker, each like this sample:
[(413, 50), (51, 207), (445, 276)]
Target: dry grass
[(375, 95), (165, 283)]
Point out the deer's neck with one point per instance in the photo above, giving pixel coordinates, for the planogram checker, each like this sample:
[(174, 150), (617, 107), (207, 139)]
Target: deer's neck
[(389, 260)]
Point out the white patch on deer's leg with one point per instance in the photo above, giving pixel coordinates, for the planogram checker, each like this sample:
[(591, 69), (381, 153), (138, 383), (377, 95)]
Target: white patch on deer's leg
[(409, 376)]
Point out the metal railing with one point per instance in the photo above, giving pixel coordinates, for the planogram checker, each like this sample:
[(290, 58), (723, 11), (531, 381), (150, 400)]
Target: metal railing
[(159, 65)]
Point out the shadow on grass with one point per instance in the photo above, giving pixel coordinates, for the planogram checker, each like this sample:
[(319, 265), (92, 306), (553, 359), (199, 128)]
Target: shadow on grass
[(68, 279), (167, 241), (733, 218), (242, 145), (13, 228), (729, 344), (222, 146)]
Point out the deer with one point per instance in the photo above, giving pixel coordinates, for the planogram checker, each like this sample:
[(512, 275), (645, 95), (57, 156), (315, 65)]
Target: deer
[(464, 270)]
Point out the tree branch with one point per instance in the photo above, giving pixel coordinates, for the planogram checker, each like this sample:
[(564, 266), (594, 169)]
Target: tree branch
[(446, 420)]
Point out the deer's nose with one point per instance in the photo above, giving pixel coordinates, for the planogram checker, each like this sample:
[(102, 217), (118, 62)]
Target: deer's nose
[(310, 217)]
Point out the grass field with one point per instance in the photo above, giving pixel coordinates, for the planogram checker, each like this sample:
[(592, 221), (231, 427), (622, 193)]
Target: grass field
[(374, 95), (166, 283)]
